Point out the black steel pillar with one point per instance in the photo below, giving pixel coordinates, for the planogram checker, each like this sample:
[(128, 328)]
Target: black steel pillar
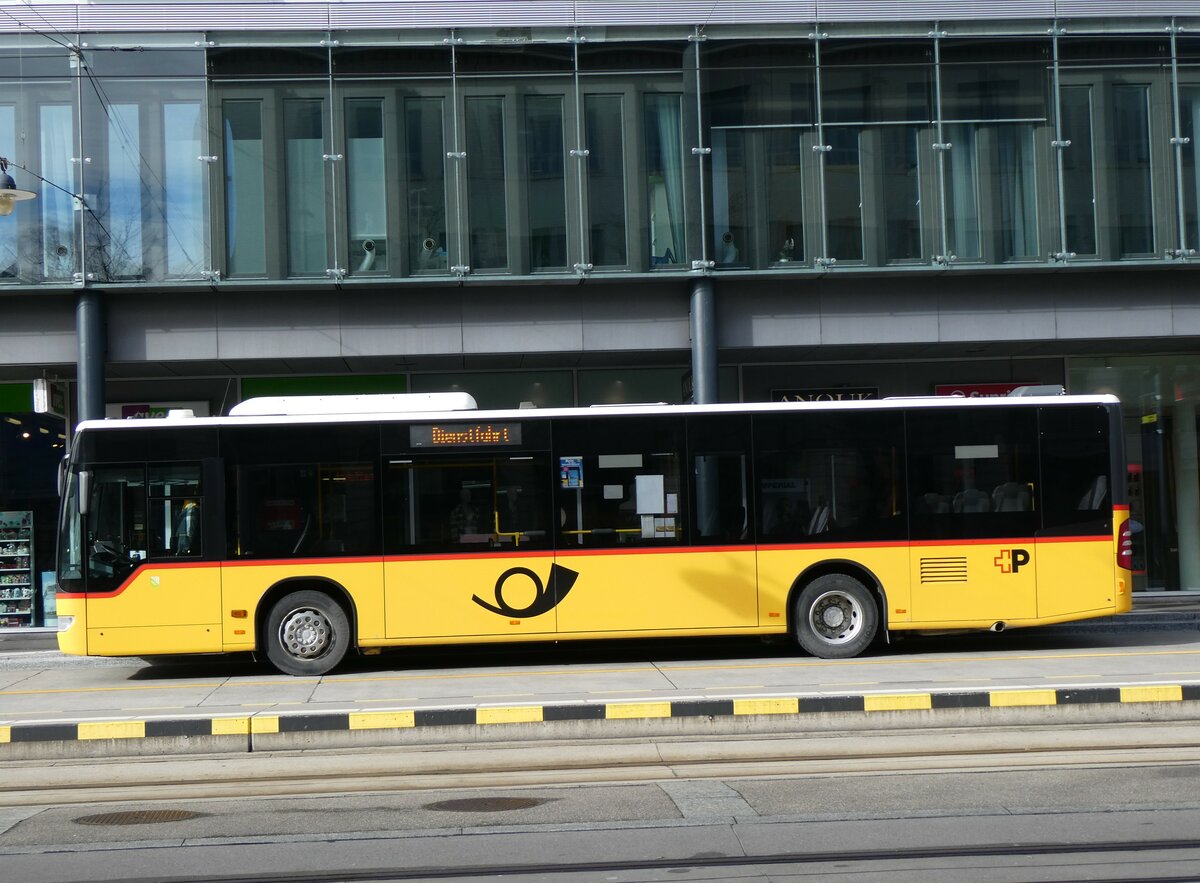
[(704, 342), (93, 349)]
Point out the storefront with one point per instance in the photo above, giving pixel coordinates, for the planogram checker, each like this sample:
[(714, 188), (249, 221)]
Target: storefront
[(1159, 395), (31, 445)]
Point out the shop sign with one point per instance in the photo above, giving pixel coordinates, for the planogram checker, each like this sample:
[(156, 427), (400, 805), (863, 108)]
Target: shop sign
[(830, 394), (50, 397), (136, 411), (977, 390)]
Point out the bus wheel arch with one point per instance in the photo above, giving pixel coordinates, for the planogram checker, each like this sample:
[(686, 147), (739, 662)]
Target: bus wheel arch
[(836, 609), (305, 625)]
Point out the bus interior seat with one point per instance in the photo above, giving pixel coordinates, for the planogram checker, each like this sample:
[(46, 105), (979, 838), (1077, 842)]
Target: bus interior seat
[(1011, 496), (972, 500), (1096, 493)]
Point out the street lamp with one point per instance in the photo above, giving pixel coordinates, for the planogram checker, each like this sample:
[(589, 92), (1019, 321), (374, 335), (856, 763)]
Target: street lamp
[(10, 195)]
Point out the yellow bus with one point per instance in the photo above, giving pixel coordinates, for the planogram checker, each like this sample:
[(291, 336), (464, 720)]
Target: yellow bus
[(305, 528)]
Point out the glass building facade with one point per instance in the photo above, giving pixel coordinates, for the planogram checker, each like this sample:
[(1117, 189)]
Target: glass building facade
[(165, 158), (530, 203)]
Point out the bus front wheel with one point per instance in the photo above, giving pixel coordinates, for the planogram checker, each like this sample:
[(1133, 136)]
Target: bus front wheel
[(835, 617), (307, 633)]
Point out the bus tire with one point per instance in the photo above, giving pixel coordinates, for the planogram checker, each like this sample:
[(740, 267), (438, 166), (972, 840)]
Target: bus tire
[(835, 617), (307, 633)]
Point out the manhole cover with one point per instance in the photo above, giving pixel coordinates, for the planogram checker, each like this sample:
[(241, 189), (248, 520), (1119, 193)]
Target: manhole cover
[(139, 817), (485, 804)]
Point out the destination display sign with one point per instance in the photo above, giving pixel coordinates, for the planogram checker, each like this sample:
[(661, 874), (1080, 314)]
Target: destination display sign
[(464, 435)]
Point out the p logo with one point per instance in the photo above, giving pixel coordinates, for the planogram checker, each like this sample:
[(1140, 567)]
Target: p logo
[(1012, 560)]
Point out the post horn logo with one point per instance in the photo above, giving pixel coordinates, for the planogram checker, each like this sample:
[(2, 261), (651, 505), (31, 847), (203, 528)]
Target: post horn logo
[(548, 596)]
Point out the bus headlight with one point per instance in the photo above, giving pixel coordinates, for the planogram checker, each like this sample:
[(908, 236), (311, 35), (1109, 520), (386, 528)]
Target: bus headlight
[(65, 622)]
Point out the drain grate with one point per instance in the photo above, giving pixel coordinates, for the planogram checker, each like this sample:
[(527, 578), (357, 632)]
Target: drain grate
[(139, 817), (485, 804)]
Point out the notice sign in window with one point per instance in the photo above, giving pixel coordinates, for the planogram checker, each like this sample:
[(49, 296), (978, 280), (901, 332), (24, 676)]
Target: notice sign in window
[(464, 435)]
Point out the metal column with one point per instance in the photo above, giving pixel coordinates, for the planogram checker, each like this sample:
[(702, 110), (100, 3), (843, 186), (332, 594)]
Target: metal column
[(704, 342), (93, 348)]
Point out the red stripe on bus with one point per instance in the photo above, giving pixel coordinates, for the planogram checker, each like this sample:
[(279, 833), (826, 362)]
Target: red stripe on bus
[(575, 553)]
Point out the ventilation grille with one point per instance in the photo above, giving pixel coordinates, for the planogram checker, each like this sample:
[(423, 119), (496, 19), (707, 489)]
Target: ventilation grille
[(943, 570)]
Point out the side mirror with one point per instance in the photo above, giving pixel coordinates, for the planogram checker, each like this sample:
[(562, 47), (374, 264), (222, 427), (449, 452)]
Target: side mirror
[(85, 490)]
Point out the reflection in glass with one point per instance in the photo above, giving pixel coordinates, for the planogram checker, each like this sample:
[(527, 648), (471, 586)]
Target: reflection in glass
[(58, 214), (366, 194), (1131, 161), (9, 268), (487, 207), (245, 211), (425, 165), (785, 196), (1189, 111), (114, 223), (875, 93), (843, 195), (664, 180), (304, 133), (901, 193), (184, 189), (1078, 177), (546, 180), (962, 193), (603, 118)]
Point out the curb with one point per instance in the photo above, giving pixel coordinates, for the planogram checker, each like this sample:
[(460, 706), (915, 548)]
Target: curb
[(266, 732)]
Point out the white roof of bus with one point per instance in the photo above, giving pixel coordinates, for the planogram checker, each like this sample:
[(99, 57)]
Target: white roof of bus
[(263, 416)]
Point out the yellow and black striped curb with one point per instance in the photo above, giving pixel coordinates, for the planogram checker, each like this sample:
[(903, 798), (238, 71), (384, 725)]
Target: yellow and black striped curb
[(265, 724)]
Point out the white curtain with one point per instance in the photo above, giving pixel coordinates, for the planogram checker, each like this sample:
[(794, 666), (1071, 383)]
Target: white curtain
[(664, 113), (1018, 199), (963, 199), (1194, 147)]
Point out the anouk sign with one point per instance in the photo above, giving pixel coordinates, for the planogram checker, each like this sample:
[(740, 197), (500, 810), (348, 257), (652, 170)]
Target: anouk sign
[(831, 394)]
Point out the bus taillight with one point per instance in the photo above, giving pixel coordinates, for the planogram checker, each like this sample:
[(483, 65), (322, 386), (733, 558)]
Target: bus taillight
[(1125, 547)]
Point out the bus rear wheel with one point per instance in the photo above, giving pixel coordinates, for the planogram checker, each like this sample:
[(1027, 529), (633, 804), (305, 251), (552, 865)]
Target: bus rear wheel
[(307, 634), (835, 617)]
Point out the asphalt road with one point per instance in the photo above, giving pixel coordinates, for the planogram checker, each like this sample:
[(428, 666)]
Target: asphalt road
[(1111, 803)]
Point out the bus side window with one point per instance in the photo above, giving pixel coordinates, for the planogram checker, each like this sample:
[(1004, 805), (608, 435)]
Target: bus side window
[(1075, 452), (620, 482), (174, 510), (983, 461)]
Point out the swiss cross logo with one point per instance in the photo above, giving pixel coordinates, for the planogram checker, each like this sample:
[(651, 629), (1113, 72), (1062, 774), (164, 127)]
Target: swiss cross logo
[(1011, 560)]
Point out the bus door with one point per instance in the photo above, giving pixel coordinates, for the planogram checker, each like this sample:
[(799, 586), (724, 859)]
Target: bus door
[(149, 589), (652, 534), (973, 489), (467, 543)]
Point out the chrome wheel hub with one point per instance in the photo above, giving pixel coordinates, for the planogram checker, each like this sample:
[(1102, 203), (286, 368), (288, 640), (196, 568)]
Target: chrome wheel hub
[(305, 633), (836, 618)]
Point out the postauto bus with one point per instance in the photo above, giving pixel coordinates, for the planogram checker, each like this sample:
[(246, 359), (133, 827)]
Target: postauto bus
[(305, 528)]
